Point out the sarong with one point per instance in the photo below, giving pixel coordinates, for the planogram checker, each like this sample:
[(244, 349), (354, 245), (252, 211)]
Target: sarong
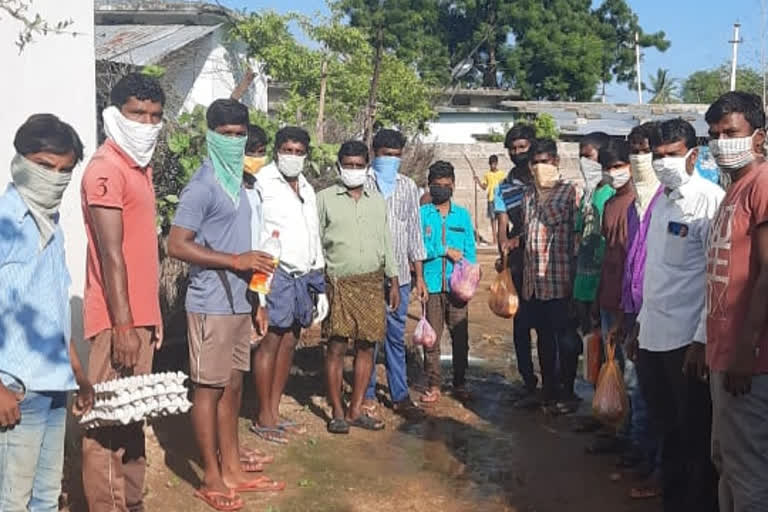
[(358, 307)]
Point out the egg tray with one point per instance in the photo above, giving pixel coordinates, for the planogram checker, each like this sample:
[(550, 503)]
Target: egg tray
[(134, 399)]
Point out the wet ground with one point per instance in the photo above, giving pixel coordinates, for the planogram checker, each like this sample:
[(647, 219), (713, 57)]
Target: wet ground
[(483, 455)]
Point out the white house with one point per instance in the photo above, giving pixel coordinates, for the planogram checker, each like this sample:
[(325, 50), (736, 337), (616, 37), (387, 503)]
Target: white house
[(54, 74)]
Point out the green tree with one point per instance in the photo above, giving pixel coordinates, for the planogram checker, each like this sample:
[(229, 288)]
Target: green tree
[(663, 87), (707, 85)]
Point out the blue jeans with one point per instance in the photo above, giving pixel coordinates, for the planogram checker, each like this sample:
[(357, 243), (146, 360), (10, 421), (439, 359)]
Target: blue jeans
[(394, 348), (32, 455)]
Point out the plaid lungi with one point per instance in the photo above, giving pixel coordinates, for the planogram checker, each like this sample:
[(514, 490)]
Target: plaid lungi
[(358, 307)]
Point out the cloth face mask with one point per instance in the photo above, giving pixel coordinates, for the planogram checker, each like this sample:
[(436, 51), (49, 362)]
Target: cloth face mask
[(227, 155), (352, 178), (732, 154), (591, 171), (440, 194), (253, 164), (618, 177), (291, 166), (671, 171), (138, 140), (642, 168), (546, 175), (385, 170)]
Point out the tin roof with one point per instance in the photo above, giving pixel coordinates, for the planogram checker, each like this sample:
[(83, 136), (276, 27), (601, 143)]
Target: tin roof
[(142, 45)]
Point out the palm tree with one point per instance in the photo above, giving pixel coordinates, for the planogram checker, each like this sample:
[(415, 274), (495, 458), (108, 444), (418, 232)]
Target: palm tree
[(663, 87)]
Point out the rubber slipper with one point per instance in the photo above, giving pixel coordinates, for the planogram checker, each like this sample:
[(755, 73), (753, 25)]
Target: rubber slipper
[(210, 499), (366, 422), (273, 435), (261, 484), (290, 426), (338, 426)]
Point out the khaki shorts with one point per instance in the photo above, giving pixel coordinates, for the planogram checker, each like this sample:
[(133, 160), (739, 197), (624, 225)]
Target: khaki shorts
[(100, 367), (218, 344)]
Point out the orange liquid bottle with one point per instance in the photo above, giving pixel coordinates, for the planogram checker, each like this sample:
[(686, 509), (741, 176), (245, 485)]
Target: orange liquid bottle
[(260, 281)]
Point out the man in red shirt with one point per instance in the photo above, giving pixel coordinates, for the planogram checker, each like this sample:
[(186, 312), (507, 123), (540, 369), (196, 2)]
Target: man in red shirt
[(121, 303), (737, 289)]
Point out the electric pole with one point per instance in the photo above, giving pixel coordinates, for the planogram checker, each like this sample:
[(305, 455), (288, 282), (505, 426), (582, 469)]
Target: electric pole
[(734, 62), (637, 69)]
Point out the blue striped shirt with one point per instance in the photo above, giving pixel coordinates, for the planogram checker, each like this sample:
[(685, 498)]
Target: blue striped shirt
[(35, 321)]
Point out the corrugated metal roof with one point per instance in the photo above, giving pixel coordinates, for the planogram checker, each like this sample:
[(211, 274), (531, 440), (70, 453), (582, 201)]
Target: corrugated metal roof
[(144, 44)]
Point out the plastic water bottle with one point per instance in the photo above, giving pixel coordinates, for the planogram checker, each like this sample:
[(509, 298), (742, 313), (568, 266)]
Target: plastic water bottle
[(261, 282)]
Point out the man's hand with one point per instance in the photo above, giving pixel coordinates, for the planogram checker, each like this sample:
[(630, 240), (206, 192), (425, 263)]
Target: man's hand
[(421, 290), (695, 364), (158, 335), (262, 321), (394, 295), (125, 348), (454, 255), (254, 261), (510, 244), (322, 307), (83, 399), (10, 415)]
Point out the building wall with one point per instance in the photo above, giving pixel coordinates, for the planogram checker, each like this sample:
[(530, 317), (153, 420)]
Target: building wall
[(459, 128), (54, 74)]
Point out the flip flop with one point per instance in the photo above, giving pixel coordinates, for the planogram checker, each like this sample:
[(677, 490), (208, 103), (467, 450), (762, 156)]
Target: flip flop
[(338, 426), (366, 422), (210, 499), (260, 484), (290, 426), (273, 435)]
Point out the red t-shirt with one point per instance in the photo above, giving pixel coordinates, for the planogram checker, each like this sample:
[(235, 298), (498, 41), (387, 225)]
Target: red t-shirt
[(113, 180), (732, 268)]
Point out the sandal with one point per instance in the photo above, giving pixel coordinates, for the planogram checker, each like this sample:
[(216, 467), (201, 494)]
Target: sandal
[(261, 484), (291, 427), (273, 435), (430, 396), (218, 500), (338, 426), (366, 422)]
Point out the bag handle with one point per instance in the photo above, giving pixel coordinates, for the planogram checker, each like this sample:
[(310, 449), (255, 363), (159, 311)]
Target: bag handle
[(610, 350), (423, 310)]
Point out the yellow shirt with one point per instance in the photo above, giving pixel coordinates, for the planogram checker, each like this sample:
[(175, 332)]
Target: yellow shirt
[(491, 180)]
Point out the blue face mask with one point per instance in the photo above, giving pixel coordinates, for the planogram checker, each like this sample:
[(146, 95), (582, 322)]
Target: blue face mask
[(385, 169)]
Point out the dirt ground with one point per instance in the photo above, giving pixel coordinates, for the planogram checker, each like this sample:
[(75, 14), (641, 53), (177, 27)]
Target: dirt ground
[(484, 455)]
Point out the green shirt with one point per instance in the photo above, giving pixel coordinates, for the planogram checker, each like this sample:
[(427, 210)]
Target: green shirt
[(589, 261), (355, 234)]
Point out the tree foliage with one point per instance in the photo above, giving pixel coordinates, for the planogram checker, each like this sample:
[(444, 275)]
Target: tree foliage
[(663, 87), (33, 26), (707, 85)]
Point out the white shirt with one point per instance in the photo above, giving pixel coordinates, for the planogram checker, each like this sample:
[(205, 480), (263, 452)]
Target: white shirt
[(674, 286), (257, 214), (295, 217)]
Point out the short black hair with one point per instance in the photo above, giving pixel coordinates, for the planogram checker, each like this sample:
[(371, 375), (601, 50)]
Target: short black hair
[(292, 134), (673, 130), (539, 146), (387, 138), (354, 148), (643, 132), (226, 111), (441, 169), (136, 85), (519, 131), (595, 139), (257, 138), (738, 102), (616, 150), (47, 133), (493, 159)]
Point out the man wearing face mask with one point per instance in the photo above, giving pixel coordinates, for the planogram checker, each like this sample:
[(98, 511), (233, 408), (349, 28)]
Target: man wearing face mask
[(254, 160), (121, 303), (448, 237), (211, 231), (36, 349), (402, 197), (672, 320), (737, 287), (358, 251), (297, 296), (508, 205)]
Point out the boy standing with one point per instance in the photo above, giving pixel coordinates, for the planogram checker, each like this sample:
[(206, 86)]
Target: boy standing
[(489, 183), (448, 238), (358, 252)]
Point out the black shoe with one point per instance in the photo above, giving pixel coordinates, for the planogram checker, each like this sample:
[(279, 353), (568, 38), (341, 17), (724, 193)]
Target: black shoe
[(338, 426)]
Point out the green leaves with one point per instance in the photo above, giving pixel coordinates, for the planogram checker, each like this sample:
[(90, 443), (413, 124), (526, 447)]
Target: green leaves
[(707, 85)]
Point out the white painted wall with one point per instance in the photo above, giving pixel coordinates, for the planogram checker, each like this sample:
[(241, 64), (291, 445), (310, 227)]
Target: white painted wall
[(55, 74), (459, 128)]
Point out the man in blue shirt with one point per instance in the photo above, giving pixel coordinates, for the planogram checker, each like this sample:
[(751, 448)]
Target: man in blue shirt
[(448, 238), (38, 363)]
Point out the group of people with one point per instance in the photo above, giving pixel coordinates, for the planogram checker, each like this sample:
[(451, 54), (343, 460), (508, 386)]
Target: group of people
[(671, 270), (350, 257)]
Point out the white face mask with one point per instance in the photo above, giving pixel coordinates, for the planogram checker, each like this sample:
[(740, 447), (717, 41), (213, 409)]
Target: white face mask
[(642, 168), (732, 154), (138, 140), (352, 178), (618, 177), (672, 171), (290, 166)]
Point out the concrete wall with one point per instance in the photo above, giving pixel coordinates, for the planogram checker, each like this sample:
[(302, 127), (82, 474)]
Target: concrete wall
[(54, 74), (459, 128), (473, 197)]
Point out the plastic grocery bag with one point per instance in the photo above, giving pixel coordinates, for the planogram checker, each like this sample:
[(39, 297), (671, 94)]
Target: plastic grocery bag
[(464, 279), (503, 299), (424, 334), (594, 351), (610, 404)]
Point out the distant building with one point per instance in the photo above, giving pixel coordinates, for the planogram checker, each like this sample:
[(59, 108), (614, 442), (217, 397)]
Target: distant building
[(189, 40)]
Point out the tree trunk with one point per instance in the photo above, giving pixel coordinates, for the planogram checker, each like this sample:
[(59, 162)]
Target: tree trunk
[(321, 103), (370, 114), (491, 78)]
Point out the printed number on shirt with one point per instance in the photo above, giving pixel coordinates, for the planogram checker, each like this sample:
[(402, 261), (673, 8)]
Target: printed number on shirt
[(676, 245)]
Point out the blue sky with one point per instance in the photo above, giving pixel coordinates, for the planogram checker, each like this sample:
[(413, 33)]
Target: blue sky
[(698, 29)]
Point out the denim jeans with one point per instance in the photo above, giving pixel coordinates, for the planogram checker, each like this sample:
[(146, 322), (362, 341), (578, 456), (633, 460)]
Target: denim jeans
[(394, 348), (32, 455)]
